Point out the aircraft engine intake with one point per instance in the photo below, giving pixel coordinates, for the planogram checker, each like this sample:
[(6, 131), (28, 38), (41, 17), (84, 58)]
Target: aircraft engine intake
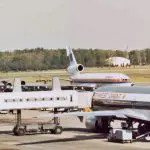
[(97, 124), (90, 122), (75, 69)]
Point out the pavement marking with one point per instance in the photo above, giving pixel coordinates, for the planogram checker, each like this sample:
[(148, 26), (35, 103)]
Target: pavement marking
[(32, 146), (9, 143)]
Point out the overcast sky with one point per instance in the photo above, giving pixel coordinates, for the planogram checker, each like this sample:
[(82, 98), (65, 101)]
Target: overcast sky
[(102, 24)]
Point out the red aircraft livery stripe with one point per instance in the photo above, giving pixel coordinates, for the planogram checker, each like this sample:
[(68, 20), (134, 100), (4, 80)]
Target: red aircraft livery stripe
[(101, 80)]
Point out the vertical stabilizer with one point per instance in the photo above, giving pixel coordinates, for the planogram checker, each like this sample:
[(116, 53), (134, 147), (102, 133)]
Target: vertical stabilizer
[(70, 54), (73, 67), (17, 85), (56, 84)]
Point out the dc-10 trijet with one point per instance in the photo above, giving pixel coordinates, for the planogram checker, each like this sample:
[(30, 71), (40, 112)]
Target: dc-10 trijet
[(94, 80), (131, 104)]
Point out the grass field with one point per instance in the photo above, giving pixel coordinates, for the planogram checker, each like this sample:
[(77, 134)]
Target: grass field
[(137, 74)]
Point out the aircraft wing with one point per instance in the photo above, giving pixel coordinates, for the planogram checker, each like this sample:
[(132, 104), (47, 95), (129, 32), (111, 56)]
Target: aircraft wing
[(93, 113), (100, 113), (122, 113)]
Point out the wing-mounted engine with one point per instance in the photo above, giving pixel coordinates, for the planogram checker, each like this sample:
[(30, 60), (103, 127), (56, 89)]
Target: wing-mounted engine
[(74, 69), (90, 123), (98, 124)]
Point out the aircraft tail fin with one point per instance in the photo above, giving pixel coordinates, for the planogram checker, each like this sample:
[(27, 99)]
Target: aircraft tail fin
[(70, 54), (56, 83), (17, 85), (73, 67)]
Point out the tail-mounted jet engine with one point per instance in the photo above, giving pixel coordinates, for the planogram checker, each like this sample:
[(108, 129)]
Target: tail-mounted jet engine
[(75, 69)]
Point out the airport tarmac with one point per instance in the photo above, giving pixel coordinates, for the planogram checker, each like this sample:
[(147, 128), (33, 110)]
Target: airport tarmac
[(75, 136)]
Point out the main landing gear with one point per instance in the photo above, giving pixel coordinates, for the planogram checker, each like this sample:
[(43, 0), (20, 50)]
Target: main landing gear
[(102, 125)]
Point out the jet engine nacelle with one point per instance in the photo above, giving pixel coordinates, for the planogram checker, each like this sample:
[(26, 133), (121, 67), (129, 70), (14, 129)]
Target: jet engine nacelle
[(74, 69), (90, 123), (97, 124)]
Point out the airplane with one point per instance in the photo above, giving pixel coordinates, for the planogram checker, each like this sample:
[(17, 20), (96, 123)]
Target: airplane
[(131, 104), (94, 80), (56, 99)]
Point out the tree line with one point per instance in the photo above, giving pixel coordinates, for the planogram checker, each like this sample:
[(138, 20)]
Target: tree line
[(44, 59)]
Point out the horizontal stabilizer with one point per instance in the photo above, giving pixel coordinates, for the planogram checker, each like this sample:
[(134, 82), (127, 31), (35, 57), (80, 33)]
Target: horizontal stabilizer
[(17, 85)]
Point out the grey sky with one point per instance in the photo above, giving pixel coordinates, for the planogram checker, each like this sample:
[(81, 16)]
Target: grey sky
[(79, 23)]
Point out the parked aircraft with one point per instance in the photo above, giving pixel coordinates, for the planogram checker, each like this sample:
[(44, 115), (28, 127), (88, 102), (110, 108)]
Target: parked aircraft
[(93, 79), (131, 104)]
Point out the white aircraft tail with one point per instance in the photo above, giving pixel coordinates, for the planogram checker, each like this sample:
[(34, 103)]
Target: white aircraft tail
[(73, 68), (56, 84), (70, 54), (17, 85)]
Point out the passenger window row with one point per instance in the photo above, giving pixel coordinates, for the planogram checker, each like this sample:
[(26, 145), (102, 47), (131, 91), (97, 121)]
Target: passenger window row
[(35, 99)]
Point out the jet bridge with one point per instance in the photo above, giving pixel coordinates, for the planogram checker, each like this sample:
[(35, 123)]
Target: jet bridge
[(56, 98)]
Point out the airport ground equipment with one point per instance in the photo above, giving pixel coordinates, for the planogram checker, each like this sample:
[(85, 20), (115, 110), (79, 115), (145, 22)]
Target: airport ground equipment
[(120, 135), (44, 128), (22, 129), (56, 98), (143, 137)]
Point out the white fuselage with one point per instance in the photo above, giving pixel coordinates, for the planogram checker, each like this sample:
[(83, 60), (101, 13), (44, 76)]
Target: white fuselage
[(100, 79), (124, 100)]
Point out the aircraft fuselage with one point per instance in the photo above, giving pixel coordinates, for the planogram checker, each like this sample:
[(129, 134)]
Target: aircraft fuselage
[(101, 79)]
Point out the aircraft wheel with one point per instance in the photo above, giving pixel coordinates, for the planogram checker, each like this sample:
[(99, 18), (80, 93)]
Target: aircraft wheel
[(19, 130), (58, 130), (15, 130), (103, 126)]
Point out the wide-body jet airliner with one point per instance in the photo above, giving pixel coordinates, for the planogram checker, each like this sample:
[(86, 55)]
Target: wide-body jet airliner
[(93, 79), (131, 104)]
